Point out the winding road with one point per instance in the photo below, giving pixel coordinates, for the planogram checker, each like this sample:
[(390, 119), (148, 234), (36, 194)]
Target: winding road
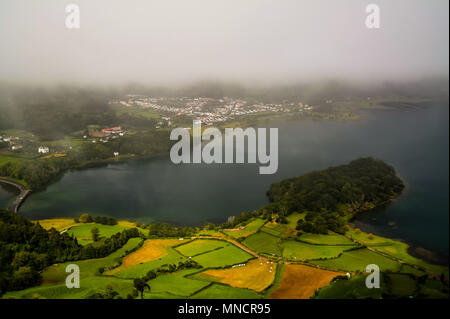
[(24, 192)]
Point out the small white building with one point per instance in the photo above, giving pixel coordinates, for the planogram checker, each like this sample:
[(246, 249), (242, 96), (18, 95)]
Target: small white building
[(43, 150), (116, 154)]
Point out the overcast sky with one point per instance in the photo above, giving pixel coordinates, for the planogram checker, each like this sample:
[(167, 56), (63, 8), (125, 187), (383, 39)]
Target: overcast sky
[(171, 41)]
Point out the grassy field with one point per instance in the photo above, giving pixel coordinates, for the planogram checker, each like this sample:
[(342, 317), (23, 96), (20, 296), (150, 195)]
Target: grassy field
[(293, 219), (401, 284), (395, 249), (399, 250), (140, 270), (262, 242), (58, 223), (152, 249), (200, 246), (280, 229), (330, 239), (88, 286), (256, 275), (355, 287), (227, 256), (177, 284), (365, 239), (294, 250), (54, 278), (218, 291), (274, 231), (248, 230), (358, 260), (300, 282), (83, 231)]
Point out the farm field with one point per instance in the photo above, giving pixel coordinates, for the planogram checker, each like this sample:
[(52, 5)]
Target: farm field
[(330, 239), (83, 231), (355, 287), (200, 246), (256, 275), (300, 282), (89, 267), (141, 269), (294, 250), (249, 229), (218, 291), (402, 285), (227, 256), (400, 250), (358, 260), (88, 287), (293, 218), (395, 249), (152, 249), (262, 242), (281, 229), (59, 224), (273, 232), (54, 278), (177, 284)]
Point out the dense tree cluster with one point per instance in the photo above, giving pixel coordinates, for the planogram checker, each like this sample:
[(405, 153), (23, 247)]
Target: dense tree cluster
[(26, 248), (167, 230), (329, 195), (85, 218)]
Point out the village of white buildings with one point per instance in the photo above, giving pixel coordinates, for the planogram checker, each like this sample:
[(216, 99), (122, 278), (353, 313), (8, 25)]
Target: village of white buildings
[(170, 112), (207, 110)]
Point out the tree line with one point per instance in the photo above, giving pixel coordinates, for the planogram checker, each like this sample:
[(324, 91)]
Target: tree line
[(26, 249)]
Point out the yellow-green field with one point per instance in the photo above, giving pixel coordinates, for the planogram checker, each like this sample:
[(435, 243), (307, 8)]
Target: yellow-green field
[(300, 282), (256, 275)]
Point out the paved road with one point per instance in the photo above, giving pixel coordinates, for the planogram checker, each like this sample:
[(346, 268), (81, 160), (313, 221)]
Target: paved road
[(24, 192)]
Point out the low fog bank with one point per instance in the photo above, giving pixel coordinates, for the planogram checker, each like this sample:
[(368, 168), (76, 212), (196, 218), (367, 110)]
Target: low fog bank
[(424, 87)]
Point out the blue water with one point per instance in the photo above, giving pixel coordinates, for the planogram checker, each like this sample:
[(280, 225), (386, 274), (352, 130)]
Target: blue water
[(414, 142)]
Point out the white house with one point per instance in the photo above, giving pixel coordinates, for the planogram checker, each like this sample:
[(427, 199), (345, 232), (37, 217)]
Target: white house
[(43, 150)]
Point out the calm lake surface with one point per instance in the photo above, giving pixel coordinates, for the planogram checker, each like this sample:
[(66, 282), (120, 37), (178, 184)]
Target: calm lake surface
[(415, 142)]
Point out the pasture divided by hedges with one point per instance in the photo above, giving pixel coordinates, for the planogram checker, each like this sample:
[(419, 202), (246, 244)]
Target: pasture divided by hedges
[(219, 291), (227, 256), (249, 229), (257, 275), (298, 251), (200, 246), (264, 243)]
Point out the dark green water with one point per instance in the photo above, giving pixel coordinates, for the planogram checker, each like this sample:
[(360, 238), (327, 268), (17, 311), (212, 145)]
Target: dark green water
[(7, 194), (414, 142)]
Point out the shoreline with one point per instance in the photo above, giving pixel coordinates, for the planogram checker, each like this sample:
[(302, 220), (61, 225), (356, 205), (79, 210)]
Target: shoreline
[(431, 256), (24, 192)]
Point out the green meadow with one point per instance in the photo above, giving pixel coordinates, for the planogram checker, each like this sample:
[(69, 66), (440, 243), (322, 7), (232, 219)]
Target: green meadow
[(358, 260), (294, 250), (265, 243), (249, 229), (83, 231), (355, 287), (227, 256), (219, 291), (140, 270), (200, 246), (329, 239), (90, 282), (177, 284)]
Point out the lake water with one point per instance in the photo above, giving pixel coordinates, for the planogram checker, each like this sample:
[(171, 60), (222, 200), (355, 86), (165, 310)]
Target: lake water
[(414, 142), (7, 194)]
